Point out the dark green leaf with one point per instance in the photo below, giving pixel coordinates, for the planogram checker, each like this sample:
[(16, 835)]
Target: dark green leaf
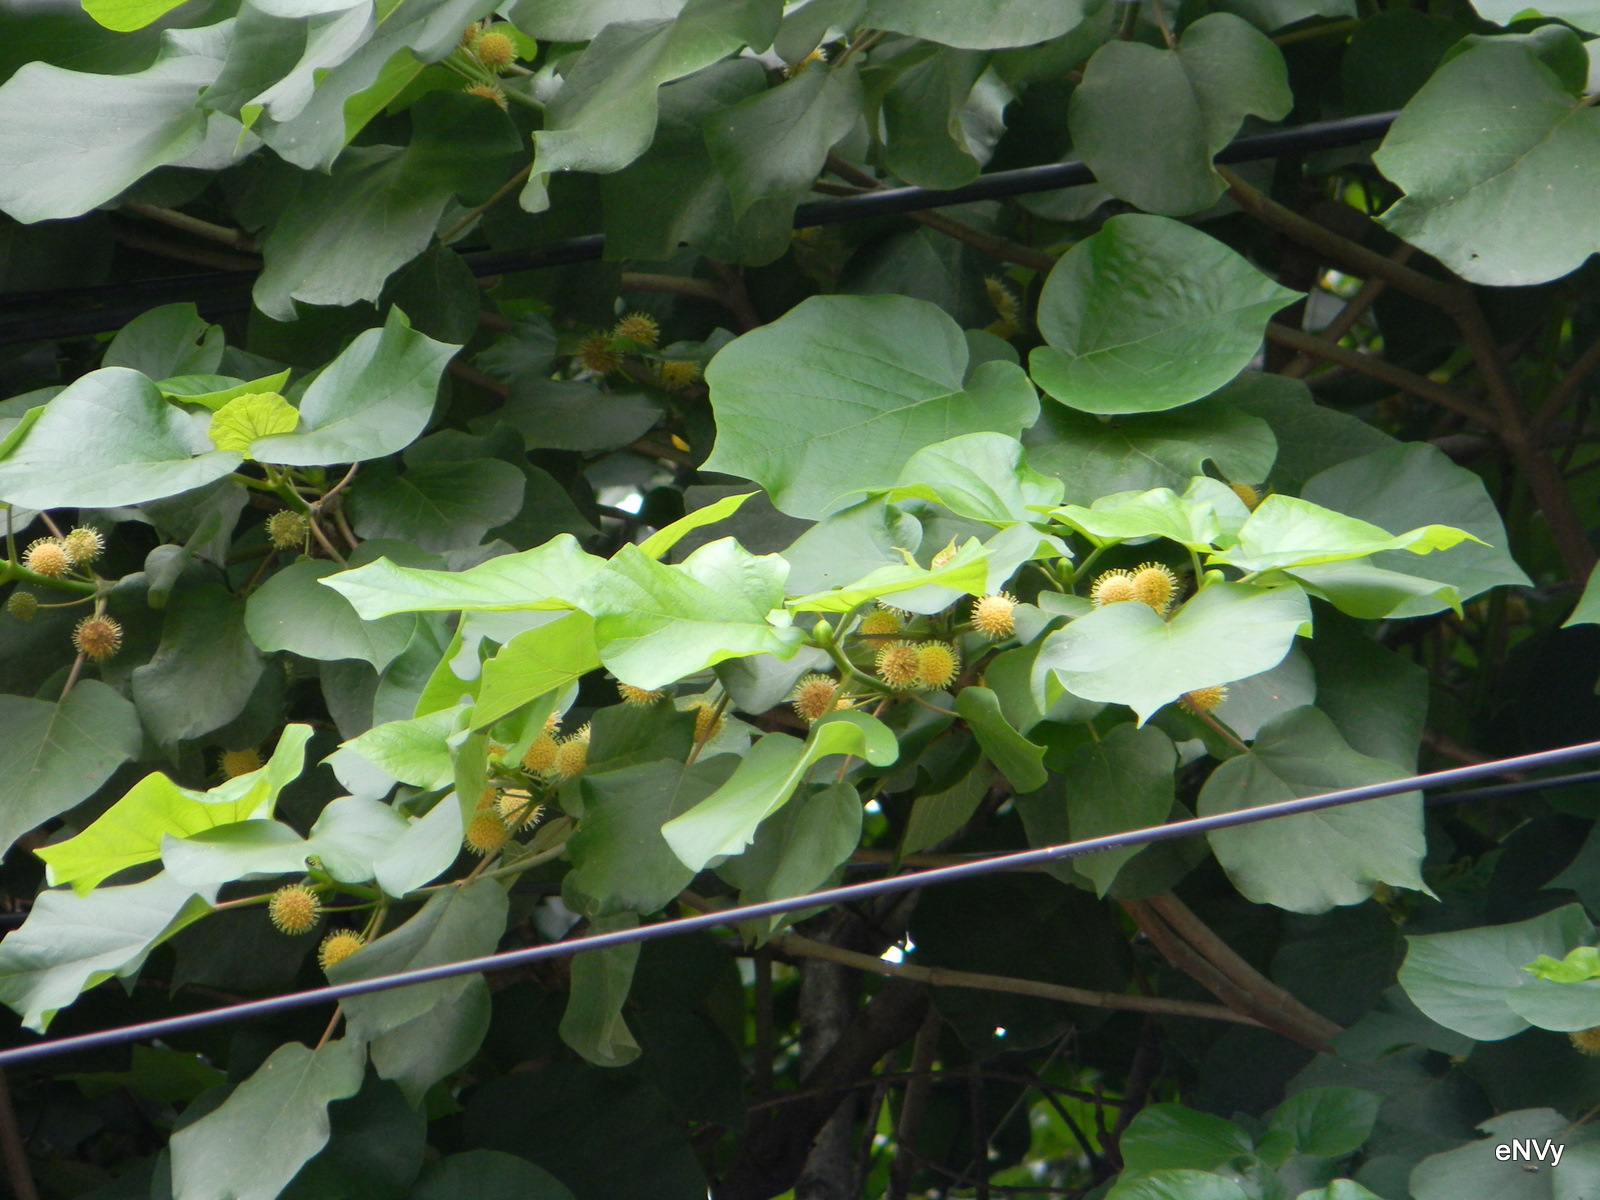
[(1165, 1136), (593, 1024), (291, 611), (165, 342), (438, 506), (205, 669), (487, 1175), (1018, 759), (1327, 1122)]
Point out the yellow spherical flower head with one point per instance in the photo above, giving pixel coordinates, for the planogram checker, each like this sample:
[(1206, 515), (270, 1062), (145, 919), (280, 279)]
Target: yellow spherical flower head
[(487, 799), (240, 762), (286, 530), (487, 91), (1112, 587), (541, 755), (639, 328), (294, 908), (937, 664), (1203, 700), (97, 638), (1251, 496), (83, 545), (494, 50), (486, 833), (639, 697), (1586, 1040), (875, 625), (814, 696), (677, 373), (1155, 585), (22, 605), (47, 557), (992, 615), (516, 808), (572, 755), (707, 721), (337, 947), (898, 665), (596, 354)]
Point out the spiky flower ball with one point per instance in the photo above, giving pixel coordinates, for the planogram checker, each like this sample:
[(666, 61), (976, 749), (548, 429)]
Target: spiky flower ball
[(1251, 496), (47, 557), (814, 696), (83, 545), (937, 664), (875, 625), (1006, 324), (572, 755), (1203, 700), (707, 721), (468, 36), (97, 638), (487, 91), (286, 530), (596, 354), (516, 808), (639, 697), (1586, 1040), (1113, 587), (240, 762), (337, 947), (486, 833), (494, 50), (487, 799), (1155, 585), (22, 605), (677, 373), (898, 665), (541, 755), (639, 328), (294, 908), (993, 617)]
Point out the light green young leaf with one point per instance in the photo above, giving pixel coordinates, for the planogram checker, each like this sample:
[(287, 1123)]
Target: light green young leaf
[(124, 444), (725, 822), (658, 543), (1148, 121), (125, 16), (69, 943), (350, 835), (225, 1152), (545, 659), (655, 624), (1149, 314), (455, 924), (553, 576), (181, 389), (1497, 131), (131, 830), (1580, 964), (1363, 590), (372, 401), (837, 394), (1285, 532), (56, 754), (1319, 860), (239, 422), (1194, 520), (416, 751), (593, 1024), (967, 571), (1126, 654)]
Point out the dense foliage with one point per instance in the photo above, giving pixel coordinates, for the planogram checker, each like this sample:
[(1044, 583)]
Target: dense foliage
[(413, 615)]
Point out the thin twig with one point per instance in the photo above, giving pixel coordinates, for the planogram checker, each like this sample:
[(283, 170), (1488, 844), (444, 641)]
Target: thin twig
[(1354, 309), (217, 260), (913, 1103), (793, 943), (238, 239), (11, 1146), (1567, 387), (677, 285), (510, 185)]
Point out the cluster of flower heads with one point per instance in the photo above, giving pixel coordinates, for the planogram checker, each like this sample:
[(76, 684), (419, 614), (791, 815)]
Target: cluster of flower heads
[(487, 53), (636, 333), (1149, 583), (96, 637)]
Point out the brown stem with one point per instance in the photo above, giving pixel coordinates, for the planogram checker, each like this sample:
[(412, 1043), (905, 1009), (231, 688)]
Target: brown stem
[(795, 944), (1354, 309), (736, 296), (470, 374), (1226, 959), (72, 677), (322, 540), (509, 186), (1567, 387), (217, 260), (11, 1146), (1379, 369), (236, 238), (912, 1106), (661, 450), (678, 285)]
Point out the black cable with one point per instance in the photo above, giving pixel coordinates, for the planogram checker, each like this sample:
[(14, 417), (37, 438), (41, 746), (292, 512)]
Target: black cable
[(222, 293), (167, 1026)]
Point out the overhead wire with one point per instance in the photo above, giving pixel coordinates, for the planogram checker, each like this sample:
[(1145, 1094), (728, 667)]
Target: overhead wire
[(977, 868), (109, 306)]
